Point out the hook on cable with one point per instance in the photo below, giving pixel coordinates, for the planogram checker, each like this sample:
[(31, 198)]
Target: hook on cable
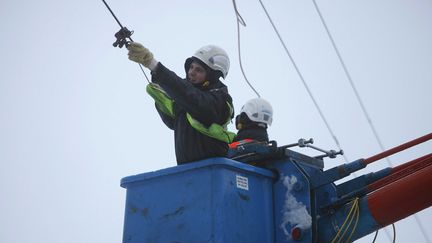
[(121, 37)]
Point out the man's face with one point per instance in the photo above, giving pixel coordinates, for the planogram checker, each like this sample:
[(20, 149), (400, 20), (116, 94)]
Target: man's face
[(196, 73)]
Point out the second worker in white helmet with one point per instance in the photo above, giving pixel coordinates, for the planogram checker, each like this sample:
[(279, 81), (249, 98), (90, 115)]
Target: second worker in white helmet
[(197, 108), (252, 122)]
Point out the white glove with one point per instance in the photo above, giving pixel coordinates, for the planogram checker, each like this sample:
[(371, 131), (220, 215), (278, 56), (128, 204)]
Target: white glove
[(138, 53)]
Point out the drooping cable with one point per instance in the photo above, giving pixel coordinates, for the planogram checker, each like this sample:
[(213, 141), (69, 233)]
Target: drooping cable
[(355, 224), (241, 21), (354, 213), (375, 237), (363, 107), (303, 80)]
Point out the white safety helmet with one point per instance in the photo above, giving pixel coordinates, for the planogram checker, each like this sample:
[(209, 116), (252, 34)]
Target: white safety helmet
[(214, 57), (258, 110)]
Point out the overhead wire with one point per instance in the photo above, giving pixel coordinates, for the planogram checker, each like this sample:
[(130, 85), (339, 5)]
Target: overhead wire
[(333, 135), (241, 21), (363, 107), (394, 234), (375, 236)]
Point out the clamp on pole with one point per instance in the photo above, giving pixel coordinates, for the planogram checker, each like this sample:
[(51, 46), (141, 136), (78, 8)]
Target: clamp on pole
[(331, 153), (301, 143)]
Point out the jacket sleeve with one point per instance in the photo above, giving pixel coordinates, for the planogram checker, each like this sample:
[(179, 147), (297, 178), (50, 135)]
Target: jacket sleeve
[(169, 121), (205, 106)]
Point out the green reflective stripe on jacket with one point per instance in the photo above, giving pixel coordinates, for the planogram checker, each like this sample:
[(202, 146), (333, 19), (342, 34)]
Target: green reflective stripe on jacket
[(166, 105), (163, 101), (215, 130)]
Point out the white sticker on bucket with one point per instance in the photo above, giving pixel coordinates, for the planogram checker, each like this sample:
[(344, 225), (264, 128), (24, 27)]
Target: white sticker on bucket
[(242, 182)]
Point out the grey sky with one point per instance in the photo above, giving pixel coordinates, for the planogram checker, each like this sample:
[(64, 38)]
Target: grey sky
[(75, 118)]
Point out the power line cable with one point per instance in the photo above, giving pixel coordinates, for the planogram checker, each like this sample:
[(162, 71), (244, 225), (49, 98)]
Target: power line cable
[(311, 95), (350, 80), (241, 21), (303, 80), (363, 107)]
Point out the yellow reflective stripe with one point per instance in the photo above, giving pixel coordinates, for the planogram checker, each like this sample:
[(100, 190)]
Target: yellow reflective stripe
[(166, 105), (163, 101), (215, 130)]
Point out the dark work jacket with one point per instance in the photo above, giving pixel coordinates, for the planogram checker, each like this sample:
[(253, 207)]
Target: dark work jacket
[(255, 133), (251, 134), (207, 105)]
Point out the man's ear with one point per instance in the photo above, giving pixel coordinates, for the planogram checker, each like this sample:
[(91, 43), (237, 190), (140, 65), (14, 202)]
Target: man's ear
[(239, 126), (238, 123)]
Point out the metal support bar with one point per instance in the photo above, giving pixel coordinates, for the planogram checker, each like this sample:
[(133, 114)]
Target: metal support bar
[(331, 153), (403, 171), (359, 185), (398, 149), (301, 143), (336, 173), (410, 163), (411, 194)]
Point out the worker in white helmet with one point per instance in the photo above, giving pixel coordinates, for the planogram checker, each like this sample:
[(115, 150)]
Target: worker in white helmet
[(197, 108), (252, 122)]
